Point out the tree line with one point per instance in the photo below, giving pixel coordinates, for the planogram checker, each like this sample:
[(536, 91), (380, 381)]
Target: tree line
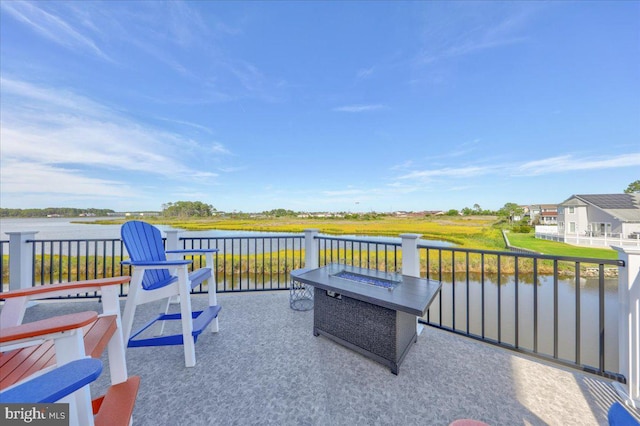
[(54, 211), (184, 209)]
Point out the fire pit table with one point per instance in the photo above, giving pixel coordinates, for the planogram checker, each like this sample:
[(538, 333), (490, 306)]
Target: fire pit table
[(371, 312)]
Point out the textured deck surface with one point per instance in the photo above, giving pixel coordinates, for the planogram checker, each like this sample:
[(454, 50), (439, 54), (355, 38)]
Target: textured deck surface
[(266, 367)]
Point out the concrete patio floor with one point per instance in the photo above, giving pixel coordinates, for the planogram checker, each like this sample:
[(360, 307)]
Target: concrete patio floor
[(265, 367)]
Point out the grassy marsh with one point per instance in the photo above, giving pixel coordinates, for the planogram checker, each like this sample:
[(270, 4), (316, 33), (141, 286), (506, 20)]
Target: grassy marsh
[(473, 232), (465, 231)]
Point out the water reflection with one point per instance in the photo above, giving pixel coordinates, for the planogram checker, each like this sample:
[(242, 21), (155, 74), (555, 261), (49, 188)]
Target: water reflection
[(502, 315)]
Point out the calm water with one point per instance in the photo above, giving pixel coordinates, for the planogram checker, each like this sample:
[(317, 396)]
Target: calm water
[(62, 229), (504, 328)]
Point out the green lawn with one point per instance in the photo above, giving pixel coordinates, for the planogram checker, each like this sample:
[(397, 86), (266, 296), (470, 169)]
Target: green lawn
[(529, 241)]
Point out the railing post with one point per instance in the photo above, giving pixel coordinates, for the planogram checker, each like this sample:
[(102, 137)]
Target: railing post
[(629, 324), (172, 244), (20, 260), (310, 248), (411, 262), (172, 239), (410, 255)]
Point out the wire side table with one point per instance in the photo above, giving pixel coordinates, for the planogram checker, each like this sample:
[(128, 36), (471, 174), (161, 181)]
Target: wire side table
[(300, 294)]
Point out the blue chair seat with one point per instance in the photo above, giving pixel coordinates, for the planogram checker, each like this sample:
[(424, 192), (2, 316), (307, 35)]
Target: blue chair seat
[(619, 416)]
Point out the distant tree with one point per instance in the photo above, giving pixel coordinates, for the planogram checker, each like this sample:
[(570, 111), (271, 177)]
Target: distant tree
[(536, 220), (187, 209), (452, 212), (54, 211), (509, 210), (477, 208), (279, 213), (633, 187), (467, 211)]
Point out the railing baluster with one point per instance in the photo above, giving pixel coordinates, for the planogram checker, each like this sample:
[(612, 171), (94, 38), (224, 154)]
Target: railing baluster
[(240, 263), (263, 265), (86, 259), (59, 261), (453, 290), (224, 265), (467, 286), (2, 267), (535, 305), (499, 302), (482, 268), (516, 331), (555, 309), (577, 286), (601, 316), (440, 278), (41, 262)]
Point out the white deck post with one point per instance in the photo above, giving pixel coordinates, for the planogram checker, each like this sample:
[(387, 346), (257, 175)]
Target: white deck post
[(20, 260), (629, 324), (185, 313), (411, 262), (172, 244), (172, 239), (212, 288), (310, 249)]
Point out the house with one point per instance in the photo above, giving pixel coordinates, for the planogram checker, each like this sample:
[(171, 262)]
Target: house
[(543, 214), (615, 215)]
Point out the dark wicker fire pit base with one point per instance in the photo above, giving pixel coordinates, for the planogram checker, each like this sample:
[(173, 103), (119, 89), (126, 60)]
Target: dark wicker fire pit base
[(371, 312), (381, 334)]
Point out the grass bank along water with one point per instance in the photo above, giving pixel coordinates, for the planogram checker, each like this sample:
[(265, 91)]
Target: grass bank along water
[(437, 263)]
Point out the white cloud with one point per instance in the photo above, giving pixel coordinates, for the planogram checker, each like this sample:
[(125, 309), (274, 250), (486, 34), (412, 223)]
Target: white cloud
[(175, 34), (359, 108), (365, 73), (23, 177), (455, 30), (52, 27), (343, 193), (403, 166), (55, 141), (568, 163), (552, 165), (455, 172)]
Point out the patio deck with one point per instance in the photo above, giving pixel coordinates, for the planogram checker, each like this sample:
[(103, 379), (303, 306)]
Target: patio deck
[(266, 367)]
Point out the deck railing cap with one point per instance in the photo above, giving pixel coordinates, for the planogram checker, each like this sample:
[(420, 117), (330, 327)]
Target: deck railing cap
[(414, 236), (628, 250)]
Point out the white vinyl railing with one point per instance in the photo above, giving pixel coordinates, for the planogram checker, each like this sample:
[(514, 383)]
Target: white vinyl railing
[(605, 240)]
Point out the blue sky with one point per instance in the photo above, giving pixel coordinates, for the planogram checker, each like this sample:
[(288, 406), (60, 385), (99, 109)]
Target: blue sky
[(317, 106)]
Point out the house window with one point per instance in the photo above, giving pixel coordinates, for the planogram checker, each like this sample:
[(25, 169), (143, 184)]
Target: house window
[(570, 209), (572, 227)]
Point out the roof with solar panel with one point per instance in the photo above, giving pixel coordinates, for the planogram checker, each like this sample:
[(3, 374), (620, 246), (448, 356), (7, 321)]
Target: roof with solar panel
[(625, 207)]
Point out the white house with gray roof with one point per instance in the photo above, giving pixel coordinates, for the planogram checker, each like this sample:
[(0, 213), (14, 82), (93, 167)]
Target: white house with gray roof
[(600, 215)]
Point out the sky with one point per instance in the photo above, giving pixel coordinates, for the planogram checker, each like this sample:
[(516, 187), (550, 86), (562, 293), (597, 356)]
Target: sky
[(317, 106)]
